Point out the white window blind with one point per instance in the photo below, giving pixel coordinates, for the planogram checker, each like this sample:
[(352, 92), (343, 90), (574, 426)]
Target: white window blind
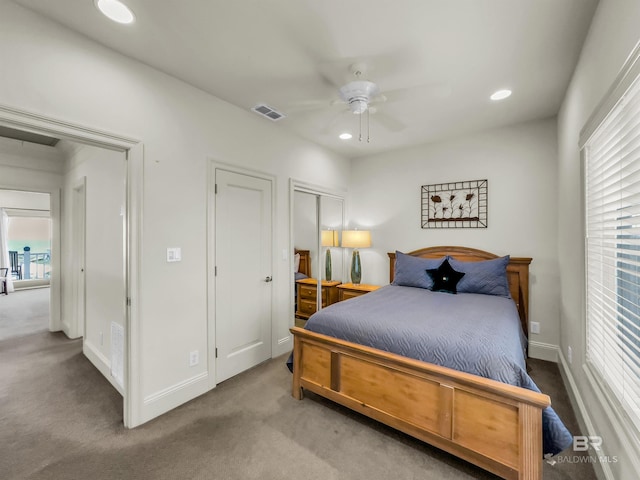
[(612, 188)]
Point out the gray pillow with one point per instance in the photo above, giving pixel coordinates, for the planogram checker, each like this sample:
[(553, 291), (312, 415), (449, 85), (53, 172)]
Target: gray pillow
[(412, 271), (488, 277)]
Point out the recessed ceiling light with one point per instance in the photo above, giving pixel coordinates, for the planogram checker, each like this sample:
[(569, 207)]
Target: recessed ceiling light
[(501, 95), (115, 10), (345, 136)]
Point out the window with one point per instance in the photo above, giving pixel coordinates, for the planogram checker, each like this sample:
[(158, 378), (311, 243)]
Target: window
[(30, 239), (612, 212)]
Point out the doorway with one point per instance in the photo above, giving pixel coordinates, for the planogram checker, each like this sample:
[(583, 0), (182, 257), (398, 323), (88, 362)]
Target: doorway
[(242, 205), (25, 243), (130, 217)]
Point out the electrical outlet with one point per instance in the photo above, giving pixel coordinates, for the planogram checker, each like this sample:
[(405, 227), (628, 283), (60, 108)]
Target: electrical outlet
[(535, 327), (569, 354), (194, 358)]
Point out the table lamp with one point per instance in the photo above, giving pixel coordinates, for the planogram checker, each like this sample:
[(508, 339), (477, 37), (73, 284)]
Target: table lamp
[(356, 239)]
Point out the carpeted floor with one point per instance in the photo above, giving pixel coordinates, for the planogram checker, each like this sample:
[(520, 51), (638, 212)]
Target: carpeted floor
[(23, 312), (62, 420)]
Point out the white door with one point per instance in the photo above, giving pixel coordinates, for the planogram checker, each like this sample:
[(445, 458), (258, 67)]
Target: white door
[(243, 272), (78, 259)]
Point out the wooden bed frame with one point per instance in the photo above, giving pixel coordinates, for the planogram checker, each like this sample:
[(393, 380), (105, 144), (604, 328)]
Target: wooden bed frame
[(493, 425), (305, 261)]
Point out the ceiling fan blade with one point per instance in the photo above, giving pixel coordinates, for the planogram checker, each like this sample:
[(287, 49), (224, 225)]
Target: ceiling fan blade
[(333, 121), (387, 121), (420, 93)]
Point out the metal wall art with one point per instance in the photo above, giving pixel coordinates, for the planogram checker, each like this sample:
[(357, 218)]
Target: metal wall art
[(455, 205)]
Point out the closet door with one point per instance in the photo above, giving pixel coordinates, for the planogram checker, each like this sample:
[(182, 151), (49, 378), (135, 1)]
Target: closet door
[(317, 224), (305, 239), (331, 262)]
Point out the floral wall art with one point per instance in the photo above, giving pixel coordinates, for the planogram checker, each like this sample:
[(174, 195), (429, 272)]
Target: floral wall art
[(455, 205)]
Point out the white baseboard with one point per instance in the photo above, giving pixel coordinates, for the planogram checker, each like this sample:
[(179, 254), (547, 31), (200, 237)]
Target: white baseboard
[(543, 351), (603, 470), (171, 397), (101, 362)]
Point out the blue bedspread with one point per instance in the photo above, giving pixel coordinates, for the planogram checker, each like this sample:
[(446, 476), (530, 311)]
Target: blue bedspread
[(477, 334)]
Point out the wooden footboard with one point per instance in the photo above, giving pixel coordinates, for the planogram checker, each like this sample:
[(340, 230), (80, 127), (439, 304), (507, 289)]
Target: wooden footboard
[(493, 425)]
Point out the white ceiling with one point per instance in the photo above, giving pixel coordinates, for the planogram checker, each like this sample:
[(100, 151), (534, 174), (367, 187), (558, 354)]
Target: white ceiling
[(437, 61)]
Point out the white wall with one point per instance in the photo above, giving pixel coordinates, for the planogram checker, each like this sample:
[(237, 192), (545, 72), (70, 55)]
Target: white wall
[(613, 35), (16, 199), (104, 174), (519, 163), (54, 72)]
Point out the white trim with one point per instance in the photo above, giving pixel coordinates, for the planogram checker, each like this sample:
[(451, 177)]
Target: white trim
[(543, 351), (627, 75), (169, 398), (101, 362), (159, 395), (603, 470)]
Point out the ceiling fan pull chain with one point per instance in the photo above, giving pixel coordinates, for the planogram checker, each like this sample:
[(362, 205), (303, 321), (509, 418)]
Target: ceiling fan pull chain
[(360, 137), (368, 123)]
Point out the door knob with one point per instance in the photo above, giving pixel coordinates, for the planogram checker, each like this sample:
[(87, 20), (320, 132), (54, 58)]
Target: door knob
[(268, 279)]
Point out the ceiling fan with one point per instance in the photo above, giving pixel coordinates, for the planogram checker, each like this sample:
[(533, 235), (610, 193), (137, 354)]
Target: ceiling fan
[(362, 97), (359, 95)]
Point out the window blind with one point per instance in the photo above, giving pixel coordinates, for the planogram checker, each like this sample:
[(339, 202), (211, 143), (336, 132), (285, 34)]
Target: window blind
[(612, 189)]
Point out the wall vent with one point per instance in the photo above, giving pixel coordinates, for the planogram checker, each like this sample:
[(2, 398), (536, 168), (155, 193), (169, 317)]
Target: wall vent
[(268, 112)]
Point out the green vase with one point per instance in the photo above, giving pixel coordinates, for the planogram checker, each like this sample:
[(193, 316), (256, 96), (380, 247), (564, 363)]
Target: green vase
[(356, 268), (327, 266)]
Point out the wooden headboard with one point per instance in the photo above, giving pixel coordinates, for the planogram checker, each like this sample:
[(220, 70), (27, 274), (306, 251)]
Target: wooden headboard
[(305, 262), (517, 272)]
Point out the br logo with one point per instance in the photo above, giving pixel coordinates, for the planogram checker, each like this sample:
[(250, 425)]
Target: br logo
[(581, 443)]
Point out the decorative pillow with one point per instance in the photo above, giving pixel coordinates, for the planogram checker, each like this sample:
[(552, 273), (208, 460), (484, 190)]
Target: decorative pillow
[(296, 262), (412, 271), (445, 278), (488, 277)]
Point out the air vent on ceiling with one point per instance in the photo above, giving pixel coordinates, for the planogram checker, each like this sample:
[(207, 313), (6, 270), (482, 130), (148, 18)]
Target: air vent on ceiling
[(28, 136), (268, 112)]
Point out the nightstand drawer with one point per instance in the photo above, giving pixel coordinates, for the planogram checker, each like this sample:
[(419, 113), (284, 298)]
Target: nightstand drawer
[(308, 292), (347, 294), (349, 290), (307, 307)]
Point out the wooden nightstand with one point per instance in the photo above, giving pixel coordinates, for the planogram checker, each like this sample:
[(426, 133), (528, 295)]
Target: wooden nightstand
[(307, 296), (349, 290)]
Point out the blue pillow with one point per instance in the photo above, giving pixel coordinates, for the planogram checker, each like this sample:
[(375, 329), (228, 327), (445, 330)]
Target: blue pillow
[(412, 271), (488, 277)]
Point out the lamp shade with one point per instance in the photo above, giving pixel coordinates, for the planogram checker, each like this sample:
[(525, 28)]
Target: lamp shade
[(329, 238), (356, 238)]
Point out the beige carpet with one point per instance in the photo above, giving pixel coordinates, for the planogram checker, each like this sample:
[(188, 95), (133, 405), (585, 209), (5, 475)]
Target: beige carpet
[(23, 312), (62, 420)]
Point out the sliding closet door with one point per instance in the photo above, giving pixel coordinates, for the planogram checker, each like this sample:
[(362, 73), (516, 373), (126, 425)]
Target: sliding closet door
[(305, 241), (317, 225), (331, 221)]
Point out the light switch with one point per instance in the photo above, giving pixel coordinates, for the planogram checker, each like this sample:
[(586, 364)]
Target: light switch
[(174, 254)]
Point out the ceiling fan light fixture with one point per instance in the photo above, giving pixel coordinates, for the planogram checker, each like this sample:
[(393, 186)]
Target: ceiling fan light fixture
[(345, 136), (501, 94), (116, 11), (358, 94)]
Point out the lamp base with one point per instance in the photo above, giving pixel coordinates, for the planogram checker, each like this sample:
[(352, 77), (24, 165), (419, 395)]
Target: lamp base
[(327, 266), (356, 268)]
